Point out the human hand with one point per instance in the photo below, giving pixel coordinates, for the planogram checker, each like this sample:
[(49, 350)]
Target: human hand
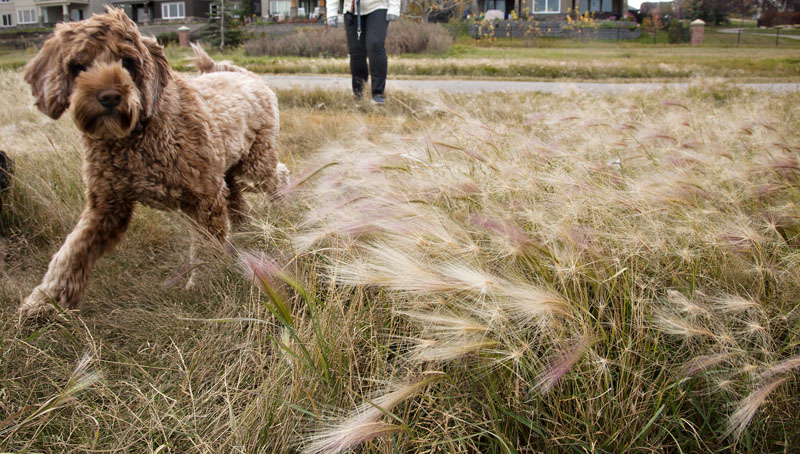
[(333, 21), (391, 17)]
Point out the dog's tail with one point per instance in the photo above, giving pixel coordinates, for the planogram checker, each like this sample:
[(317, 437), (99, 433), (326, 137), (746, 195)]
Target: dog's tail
[(205, 64)]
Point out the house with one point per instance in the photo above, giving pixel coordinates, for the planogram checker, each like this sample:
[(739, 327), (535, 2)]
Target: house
[(32, 13), (22, 13), (292, 8), (663, 8), (555, 9), (153, 11)]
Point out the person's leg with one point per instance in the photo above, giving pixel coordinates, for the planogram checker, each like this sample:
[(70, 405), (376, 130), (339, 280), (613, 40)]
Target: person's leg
[(375, 32), (358, 53)]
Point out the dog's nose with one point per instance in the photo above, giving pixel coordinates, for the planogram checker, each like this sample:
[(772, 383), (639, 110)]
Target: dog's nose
[(109, 98)]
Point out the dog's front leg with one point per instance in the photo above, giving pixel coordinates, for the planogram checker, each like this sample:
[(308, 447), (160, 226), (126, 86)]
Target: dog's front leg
[(211, 218), (100, 227)]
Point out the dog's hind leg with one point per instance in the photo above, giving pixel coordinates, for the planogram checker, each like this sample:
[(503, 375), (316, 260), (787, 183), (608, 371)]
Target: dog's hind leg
[(237, 205), (100, 227), (260, 166)]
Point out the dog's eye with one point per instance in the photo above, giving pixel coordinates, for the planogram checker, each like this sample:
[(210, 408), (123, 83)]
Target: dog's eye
[(76, 68), (130, 65)]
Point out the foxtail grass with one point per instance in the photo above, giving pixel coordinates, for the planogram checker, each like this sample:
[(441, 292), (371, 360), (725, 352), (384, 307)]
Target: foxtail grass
[(488, 273)]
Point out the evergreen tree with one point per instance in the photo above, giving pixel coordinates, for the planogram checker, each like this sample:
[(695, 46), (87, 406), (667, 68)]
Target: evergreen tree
[(224, 29)]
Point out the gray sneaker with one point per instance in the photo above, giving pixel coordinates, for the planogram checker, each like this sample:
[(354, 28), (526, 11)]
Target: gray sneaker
[(378, 99)]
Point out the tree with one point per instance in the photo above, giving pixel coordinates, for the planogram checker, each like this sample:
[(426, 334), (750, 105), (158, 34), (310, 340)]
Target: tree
[(780, 5), (717, 11), (224, 27)]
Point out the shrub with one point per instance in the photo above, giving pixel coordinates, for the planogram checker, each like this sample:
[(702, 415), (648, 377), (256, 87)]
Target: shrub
[(676, 32), (208, 34), (408, 37), (402, 37), (326, 42), (167, 38), (773, 18)]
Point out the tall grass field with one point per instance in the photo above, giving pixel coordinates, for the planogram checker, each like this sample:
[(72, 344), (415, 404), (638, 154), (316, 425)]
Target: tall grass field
[(474, 274)]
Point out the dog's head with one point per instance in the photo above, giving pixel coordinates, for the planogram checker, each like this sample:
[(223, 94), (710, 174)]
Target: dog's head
[(111, 75)]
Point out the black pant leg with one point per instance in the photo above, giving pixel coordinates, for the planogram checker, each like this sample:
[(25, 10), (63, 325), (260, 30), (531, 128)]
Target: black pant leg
[(357, 48), (375, 31)]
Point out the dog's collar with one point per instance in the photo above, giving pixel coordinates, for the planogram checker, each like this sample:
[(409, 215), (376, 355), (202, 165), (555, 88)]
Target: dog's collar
[(140, 126)]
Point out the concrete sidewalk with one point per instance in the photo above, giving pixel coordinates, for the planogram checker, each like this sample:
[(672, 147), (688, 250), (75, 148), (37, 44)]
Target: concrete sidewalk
[(491, 86), (745, 32)]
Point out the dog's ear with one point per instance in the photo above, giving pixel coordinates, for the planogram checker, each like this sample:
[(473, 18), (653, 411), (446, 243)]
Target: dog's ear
[(159, 58), (50, 84), (161, 71)]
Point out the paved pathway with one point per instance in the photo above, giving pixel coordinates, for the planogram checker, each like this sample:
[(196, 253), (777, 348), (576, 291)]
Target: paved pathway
[(489, 86), (736, 30)]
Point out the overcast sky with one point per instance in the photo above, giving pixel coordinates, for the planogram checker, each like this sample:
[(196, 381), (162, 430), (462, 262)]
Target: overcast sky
[(635, 3)]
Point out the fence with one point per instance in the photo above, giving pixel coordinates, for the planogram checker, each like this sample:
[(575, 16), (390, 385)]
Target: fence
[(727, 36), (757, 36)]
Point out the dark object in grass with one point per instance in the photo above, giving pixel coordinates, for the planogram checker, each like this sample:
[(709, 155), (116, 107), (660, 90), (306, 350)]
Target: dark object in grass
[(6, 169)]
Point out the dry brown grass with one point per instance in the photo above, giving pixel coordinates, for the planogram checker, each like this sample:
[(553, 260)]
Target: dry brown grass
[(404, 37), (477, 274)]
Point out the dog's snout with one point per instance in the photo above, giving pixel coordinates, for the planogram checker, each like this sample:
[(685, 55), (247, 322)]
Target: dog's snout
[(109, 98)]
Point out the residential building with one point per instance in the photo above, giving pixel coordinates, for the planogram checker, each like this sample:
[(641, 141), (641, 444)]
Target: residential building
[(166, 11), (7, 14), (150, 11), (663, 8), (292, 8), (31, 13), (555, 9)]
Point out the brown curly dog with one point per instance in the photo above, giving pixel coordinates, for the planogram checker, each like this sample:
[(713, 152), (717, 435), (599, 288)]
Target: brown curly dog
[(149, 136)]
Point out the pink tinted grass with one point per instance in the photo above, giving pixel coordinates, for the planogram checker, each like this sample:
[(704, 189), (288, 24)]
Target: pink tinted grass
[(562, 364)]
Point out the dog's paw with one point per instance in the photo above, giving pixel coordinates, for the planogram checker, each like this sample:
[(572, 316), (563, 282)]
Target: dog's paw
[(37, 305), (283, 175)]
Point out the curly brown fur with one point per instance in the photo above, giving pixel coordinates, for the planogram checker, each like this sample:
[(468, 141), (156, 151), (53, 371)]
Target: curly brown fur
[(149, 136)]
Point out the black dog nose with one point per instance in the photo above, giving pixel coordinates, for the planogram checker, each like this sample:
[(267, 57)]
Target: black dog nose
[(109, 98)]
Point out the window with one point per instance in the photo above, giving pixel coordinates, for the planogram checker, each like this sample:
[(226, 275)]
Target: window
[(546, 6), (173, 10), (7, 20), (212, 10), (26, 16), (596, 6), (496, 4), (277, 7)]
